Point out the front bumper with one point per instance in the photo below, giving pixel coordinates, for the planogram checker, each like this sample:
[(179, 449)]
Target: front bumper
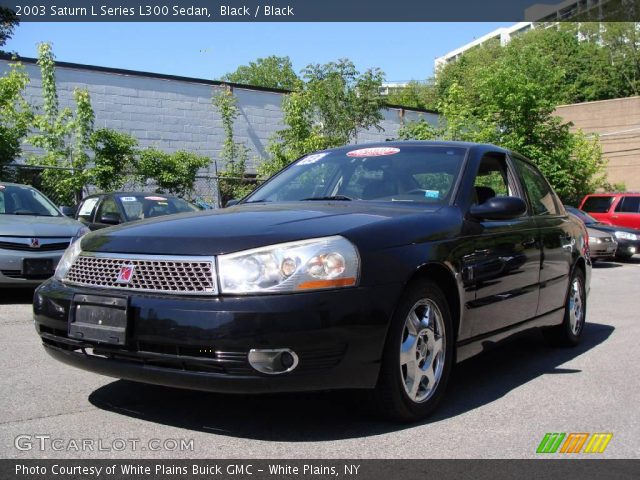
[(202, 343), (626, 248), (603, 249), (12, 262)]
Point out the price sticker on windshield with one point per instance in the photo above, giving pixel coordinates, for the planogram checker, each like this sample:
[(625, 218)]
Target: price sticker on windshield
[(309, 159), (373, 152)]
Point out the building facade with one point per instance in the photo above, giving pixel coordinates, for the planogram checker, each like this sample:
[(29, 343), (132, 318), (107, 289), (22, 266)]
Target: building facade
[(617, 125)]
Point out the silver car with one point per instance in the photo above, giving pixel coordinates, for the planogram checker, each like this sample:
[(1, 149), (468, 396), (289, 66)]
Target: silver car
[(33, 235), (602, 245)]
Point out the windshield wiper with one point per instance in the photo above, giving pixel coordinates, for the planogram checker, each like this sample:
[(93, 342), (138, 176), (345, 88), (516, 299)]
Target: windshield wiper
[(334, 197), (262, 200)]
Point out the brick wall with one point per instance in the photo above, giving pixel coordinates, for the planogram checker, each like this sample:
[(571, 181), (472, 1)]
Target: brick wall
[(617, 122), (174, 113)]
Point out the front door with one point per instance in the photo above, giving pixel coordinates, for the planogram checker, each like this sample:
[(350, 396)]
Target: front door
[(505, 267)]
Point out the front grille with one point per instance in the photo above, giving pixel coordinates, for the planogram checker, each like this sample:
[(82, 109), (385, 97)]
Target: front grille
[(44, 247), (178, 275)]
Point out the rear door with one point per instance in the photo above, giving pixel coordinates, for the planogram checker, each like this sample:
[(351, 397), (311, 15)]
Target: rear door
[(627, 212), (556, 237)]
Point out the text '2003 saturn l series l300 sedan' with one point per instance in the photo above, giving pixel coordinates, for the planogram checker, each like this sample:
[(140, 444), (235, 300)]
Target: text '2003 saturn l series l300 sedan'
[(364, 267)]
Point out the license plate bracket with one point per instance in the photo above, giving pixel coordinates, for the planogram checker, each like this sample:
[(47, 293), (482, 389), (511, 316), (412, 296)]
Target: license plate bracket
[(99, 319), (36, 268)]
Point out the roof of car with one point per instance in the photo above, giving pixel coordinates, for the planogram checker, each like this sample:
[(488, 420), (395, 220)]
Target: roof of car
[(122, 194), (420, 143)]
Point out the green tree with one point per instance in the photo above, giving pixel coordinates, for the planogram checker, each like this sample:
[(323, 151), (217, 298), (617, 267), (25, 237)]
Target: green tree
[(328, 109), (415, 94), (173, 173), (64, 136), (115, 158), (271, 72), (8, 22), (510, 103), (15, 114), (232, 182)]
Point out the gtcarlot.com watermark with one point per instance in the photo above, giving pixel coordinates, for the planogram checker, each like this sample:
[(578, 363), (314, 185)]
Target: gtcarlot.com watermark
[(45, 443)]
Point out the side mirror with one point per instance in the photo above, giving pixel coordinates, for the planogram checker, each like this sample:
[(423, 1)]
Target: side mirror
[(110, 218), (232, 202), (499, 208), (68, 211)]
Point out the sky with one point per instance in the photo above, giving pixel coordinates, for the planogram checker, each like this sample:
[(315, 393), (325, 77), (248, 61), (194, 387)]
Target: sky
[(404, 51)]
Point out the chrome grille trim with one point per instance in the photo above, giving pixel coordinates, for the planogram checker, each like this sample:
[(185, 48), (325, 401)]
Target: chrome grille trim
[(178, 275)]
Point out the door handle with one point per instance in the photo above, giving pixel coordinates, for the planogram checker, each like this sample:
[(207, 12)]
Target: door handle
[(530, 243)]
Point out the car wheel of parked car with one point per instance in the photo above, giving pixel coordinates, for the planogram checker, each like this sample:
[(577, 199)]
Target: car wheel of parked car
[(418, 354), (569, 332)]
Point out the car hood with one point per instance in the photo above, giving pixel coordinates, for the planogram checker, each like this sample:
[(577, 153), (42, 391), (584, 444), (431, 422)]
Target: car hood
[(603, 227), (593, 232), (37, 226), (250, 226)]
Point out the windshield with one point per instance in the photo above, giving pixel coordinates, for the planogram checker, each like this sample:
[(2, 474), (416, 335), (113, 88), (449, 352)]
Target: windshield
[(584, 216), (23, 200), (415, 174), (137, 207)]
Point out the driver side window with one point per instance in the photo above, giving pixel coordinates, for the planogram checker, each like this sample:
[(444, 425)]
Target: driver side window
[(108, 207), (492, 179)]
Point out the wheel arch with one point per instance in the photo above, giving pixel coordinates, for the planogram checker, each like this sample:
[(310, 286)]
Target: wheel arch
[(446, 279)]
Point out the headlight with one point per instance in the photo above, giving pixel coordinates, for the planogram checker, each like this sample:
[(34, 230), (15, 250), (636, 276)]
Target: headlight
[(626, 235), (594, 240), (82, 231), (316, 264), (70, 255)]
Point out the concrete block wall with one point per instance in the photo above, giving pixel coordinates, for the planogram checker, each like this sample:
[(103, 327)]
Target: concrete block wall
[(175, 113)]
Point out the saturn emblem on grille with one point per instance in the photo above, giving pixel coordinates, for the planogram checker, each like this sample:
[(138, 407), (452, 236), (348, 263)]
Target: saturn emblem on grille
[(126, 274), (35, 243)]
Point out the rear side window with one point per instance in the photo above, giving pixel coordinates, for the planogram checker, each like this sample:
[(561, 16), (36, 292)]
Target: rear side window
[(628, 205), (540, 193), (600, 204)]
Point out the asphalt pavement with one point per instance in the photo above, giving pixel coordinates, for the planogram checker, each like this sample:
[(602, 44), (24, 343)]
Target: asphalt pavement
[(499, 405)]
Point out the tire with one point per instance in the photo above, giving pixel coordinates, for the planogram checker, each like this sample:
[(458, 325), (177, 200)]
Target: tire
[(569, 332), (421, 328)]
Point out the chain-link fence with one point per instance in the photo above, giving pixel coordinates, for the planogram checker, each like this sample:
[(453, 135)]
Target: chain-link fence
[(206, 191)]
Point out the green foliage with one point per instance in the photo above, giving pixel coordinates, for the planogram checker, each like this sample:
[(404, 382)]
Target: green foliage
[(8, 21), (15, 114), (507, 96), (115, 156), (415, 94), (271, 72), (419, 130), (173, 173), (63, 135), (232, 181), (328, 109)]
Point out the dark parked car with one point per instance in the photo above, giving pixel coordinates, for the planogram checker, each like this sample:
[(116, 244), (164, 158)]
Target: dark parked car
[(364, 267), (107, 209), (628, 238)]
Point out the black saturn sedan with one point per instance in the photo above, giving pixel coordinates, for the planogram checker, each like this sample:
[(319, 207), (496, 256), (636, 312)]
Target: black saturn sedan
[(364, 267)]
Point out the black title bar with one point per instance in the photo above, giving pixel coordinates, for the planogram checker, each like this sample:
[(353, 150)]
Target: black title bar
[(318, 469), (323, 10)]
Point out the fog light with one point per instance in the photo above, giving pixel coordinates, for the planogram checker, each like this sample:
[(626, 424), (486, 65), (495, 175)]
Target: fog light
[(273, 361)]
